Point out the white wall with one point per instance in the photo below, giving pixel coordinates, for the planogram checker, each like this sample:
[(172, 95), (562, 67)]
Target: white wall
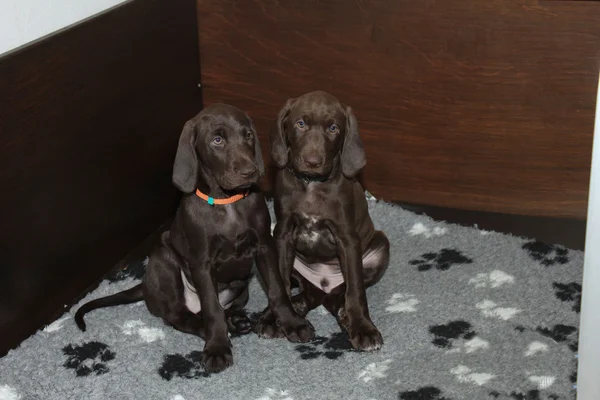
[(22, 21), (588, 379)]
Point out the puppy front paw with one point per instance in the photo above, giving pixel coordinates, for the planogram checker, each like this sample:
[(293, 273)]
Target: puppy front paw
[(364, 336), (266, 326), (297, 329), (215, 358)]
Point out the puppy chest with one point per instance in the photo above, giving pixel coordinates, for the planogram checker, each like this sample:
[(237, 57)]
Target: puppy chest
[(241, 245), (313, 237)]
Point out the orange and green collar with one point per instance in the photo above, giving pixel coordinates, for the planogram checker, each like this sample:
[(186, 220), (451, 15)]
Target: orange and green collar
[(212, 201)]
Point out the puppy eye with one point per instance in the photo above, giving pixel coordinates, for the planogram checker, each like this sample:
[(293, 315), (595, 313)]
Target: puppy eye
[(300, 124), (249, 135), (217, 140), (333, 128)]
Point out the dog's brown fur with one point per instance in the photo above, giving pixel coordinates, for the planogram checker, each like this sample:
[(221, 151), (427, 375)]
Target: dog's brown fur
[(322, 214), (214, 246)]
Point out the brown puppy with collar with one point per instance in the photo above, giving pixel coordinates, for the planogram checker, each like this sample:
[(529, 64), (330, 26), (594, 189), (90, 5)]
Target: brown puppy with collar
[(325, 237), (197, 276)]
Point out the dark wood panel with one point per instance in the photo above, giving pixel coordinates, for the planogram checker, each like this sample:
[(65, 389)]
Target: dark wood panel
[(482, 105), (89, 124)]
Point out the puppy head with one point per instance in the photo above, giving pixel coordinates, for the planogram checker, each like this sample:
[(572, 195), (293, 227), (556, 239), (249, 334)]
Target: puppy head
[(220, 142), (314, 134)]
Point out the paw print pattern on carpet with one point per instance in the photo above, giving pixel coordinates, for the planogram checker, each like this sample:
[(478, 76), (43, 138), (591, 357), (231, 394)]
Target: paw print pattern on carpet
[(547, 254), (185, 366), (400, 302), (569, 292), (374, 371), (54, 327), (543, 382), (441, 260), (493, 279), (332, 347), (536, 347), (274, 394), (88, 358), (491, 309), (419, 229), (464, 374), (561, 333), (424, 393), (8, 393), (133, 270), (147, 334), (445, 334), (530, 395)]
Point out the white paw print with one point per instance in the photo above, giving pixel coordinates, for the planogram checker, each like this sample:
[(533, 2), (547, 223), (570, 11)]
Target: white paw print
[(490, 309), (274, 394), (543, 382), (472, 345), (55, 326), (375, 371), (402, 303), (8, 393), (419, 229), (536, 347), (147, 334), (464, 374), (493, 279)]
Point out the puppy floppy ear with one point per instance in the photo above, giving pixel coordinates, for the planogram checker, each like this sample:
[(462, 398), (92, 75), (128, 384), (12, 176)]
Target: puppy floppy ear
[(258, 158), (278, 142), (353, 153), (185, 168)]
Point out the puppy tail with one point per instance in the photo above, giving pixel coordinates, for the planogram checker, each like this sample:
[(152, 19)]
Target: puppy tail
[(125, 297)]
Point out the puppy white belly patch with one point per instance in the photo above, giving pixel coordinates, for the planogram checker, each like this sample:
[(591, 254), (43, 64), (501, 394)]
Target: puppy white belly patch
[(325, 276), (192, 301)]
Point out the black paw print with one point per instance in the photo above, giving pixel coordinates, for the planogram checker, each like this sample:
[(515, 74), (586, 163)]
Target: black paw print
[(441, 260), (561, 333), (444, 334), (188, 366), (569, 292), (424, 393), (530, 395), (547, 254), (332, 347), (133, 270), (88, 358)]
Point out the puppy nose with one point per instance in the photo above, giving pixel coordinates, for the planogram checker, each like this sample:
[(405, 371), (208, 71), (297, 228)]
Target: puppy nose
[(313, 161), (248, 171)]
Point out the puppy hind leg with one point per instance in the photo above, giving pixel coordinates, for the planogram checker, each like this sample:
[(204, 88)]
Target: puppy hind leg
[(376, 259), (186, 321), (309, 297), (334, 303), (375, 262)]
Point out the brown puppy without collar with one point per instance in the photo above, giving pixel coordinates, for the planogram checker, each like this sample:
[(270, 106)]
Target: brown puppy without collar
[(325, 237), (197, 276)]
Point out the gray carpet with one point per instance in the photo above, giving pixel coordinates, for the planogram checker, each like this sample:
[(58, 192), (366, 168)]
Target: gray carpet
[(465, 314)]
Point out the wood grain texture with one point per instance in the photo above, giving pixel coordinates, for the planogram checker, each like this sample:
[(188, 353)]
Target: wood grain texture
[(481, 105), (89, 124)]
